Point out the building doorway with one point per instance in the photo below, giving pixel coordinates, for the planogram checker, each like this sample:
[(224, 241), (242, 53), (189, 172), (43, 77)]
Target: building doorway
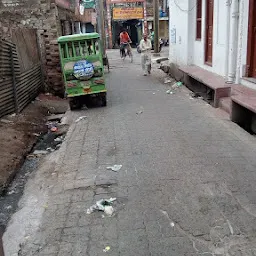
[(133, 27), (251, 49), (209, 32)]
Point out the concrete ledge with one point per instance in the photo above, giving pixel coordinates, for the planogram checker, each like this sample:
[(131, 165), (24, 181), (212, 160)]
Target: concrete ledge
[(216, 86), (203, 76), (244, 96), (243, 107), (238, 89), (243, 112), (245, 101)]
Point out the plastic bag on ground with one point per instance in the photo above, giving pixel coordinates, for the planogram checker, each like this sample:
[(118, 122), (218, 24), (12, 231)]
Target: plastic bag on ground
[(104, 205)]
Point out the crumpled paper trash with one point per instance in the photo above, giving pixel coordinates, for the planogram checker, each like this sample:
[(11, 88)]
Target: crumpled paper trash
[(115, 168), (107, 248), (169, 92), (80, 119), (104, 205)]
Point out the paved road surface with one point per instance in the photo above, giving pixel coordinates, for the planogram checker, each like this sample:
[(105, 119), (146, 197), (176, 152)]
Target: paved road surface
[(187, 185)]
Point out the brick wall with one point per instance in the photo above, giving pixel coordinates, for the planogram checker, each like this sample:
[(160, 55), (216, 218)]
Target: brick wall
[(46, 17)]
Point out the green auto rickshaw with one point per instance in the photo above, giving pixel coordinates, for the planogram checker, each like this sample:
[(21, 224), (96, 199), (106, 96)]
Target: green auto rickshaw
[(81, 59)]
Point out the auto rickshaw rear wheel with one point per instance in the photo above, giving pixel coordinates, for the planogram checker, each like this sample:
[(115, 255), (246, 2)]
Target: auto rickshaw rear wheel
[(75, 103), (104, 99)]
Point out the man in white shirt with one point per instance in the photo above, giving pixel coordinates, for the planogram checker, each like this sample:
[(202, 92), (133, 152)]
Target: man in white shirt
[(145, 47)]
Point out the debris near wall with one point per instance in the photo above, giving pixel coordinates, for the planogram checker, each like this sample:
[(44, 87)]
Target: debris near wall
[(19, 133)]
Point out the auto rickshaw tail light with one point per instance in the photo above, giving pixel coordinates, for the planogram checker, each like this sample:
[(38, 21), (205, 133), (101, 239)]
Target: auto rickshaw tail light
[(99, 81), (70, 85)]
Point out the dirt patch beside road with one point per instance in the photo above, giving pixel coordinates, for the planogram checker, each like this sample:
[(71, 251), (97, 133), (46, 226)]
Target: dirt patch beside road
[(19, 133)]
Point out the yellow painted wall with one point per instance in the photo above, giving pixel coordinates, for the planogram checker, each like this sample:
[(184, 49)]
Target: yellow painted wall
[(164, 29)]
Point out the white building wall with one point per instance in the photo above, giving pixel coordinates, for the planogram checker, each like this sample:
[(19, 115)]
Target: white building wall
[(242, 45), (220, 37), (243, 37), (179, 23), (187, 50), (191, 31)]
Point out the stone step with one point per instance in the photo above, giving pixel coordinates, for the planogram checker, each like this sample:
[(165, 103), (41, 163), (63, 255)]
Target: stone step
[(240, 89), (225, 104)]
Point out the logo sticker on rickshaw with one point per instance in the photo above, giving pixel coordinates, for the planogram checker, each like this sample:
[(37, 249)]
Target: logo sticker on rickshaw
[(83, 70)]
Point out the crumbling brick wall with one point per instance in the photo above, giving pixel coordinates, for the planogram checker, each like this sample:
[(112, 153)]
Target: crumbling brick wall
[(44, 16)]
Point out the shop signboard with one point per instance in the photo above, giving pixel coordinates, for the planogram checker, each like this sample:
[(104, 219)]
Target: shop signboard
[(124, 1), (128, 13), (88, 4)]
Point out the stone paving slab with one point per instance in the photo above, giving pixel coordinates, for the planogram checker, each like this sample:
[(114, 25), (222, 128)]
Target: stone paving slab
[(186, 187)]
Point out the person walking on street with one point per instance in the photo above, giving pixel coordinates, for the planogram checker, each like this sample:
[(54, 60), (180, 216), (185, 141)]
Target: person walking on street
[(145, 47)]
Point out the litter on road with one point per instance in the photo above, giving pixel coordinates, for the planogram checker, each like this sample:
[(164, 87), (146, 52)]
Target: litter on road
[(109, 210), (84, 107), (104, 205), (59, 139), (55, 117), (11, 192), (107, 248), (52, 126), (54, 129), (50, 149), (169, 92), (195, 95), (80, 118), (115, 168), (176, 85), (140, 111), (5, 121), (40, 152), (168, 80)]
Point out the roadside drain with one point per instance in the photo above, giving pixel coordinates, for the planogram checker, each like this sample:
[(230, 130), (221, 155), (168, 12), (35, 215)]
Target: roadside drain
[(46, 144)]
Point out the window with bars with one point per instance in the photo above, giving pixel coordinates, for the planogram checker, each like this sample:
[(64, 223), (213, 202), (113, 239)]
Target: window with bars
[(199, 20), (79, 48)]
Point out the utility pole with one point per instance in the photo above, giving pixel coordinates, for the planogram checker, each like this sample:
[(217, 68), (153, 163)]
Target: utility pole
[(101, 23), (156, 26)]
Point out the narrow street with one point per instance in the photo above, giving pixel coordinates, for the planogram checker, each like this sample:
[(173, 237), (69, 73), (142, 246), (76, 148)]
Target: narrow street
[(187, 185)]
